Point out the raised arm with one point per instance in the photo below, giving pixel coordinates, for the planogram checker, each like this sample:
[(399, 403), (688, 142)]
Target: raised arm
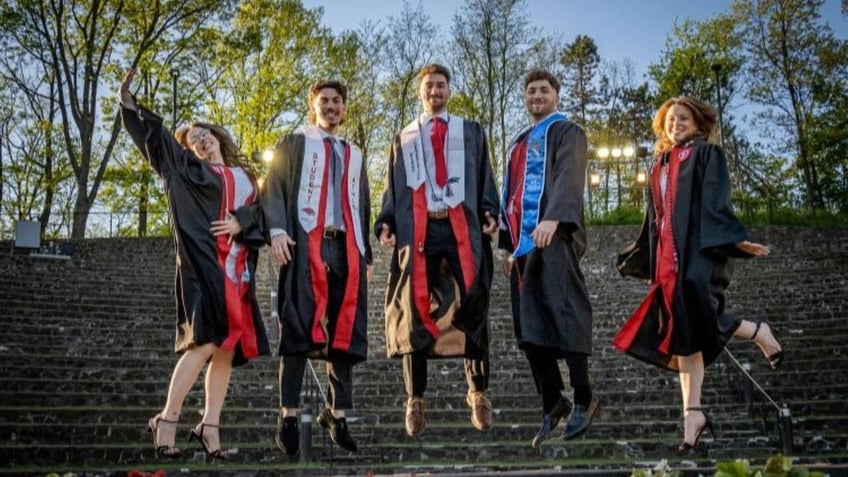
[(158, 146)]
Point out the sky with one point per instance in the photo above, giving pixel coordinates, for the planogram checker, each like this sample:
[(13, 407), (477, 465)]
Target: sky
[(634, 29)]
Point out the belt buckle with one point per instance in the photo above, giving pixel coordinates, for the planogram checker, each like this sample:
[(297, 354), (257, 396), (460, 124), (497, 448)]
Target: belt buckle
[(330, 233)]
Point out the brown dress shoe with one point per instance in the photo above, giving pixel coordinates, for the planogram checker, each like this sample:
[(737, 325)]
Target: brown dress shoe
[(481, 410), (416, 420)]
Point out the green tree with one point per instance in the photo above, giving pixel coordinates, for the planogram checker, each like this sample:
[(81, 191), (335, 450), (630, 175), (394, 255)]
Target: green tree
[(790, 64), (270, 56), (581, 61), (357, 57), (407, 34), (495, 45), (76, 43)]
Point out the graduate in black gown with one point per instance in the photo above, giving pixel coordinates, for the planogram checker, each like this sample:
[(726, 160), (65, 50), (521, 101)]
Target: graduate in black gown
[(316, 203), (542, 229), (685, 248), (438, 215), (215, 221)]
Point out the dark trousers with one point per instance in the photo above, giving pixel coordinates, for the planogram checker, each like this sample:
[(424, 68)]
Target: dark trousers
[(440, 245), (415, 373), (339, 369), (548, 379)]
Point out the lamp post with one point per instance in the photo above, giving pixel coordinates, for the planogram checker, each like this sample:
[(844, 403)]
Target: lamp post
[(716, 67), (603, 155), (175, 73), (622, 155), (593, 180)]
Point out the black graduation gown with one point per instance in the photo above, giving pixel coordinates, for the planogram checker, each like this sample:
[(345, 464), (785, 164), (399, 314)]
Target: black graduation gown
[(551, 307), (296, 298), (463, 327), (705, 232), (194, 201)]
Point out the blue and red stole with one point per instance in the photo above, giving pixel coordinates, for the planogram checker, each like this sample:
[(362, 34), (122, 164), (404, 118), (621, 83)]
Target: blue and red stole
[(532, 183)]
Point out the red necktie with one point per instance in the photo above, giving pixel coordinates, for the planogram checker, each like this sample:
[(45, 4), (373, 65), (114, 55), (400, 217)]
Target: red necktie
[(437, 137)]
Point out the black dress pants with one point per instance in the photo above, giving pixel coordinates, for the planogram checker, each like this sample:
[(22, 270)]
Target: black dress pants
[(548, 379), (339, 368)]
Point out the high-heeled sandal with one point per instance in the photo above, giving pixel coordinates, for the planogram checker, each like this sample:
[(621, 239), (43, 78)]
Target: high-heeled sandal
[(218, 453), (170, 452), (708, 424), (776, 358)]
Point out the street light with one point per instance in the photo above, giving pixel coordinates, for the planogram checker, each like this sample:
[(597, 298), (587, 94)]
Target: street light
[(268, 155), (716, 67), (621, 155), (175, 73)]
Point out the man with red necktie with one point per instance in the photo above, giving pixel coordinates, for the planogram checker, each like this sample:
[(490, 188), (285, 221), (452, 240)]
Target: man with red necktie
[(438, 213), (317, 210)]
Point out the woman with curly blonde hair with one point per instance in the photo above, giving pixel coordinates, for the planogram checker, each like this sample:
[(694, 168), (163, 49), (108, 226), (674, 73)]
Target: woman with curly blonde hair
[(687, 241)]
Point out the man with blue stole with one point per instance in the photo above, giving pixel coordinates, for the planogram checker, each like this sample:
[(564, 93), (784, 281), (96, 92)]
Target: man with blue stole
[(438, 212), (316, 204), (542, 229)]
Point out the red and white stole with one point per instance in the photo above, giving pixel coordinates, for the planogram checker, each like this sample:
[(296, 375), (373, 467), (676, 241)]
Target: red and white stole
[(412, 150), (232, 258), (312, 206)]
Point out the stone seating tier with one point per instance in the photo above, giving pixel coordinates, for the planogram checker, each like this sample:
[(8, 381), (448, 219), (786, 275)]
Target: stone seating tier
[(86, 352)]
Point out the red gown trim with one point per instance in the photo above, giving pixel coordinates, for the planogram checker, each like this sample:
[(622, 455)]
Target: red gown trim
[(240, 329), (350, 302), (515, 206), (316, 264), (666, 269), (420, 290)]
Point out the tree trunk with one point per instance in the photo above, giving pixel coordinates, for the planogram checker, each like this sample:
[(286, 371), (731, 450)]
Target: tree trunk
[(82, 207)]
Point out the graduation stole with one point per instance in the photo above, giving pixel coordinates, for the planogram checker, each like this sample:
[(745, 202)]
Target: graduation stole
[(665, 275), (533, 180), (412, 150), (232, 258), (312, 208)]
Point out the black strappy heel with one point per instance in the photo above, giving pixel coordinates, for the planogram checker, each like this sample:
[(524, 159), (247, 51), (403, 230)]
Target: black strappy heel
[(708, 424), (218, 453), (170, 452), (776, 358)]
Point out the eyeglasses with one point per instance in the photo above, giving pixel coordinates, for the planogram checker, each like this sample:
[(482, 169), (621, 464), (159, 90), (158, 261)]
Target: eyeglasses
[(200, 135)]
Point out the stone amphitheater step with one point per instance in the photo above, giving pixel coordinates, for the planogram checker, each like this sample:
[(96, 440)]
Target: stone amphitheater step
[(76, 347)]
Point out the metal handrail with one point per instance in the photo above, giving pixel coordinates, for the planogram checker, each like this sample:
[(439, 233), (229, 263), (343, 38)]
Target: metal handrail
[(784, 416)]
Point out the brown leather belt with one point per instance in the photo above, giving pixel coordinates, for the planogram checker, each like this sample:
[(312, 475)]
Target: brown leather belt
[(442, 214), (332, 233)]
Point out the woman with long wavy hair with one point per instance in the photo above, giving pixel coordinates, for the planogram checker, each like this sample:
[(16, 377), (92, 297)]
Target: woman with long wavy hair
[(216, 224), (688, 239)]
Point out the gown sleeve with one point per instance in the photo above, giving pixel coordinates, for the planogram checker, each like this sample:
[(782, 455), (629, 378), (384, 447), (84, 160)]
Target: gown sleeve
[(565, 202), (158, 146), (720, 229), (275, 188), (387, 209)]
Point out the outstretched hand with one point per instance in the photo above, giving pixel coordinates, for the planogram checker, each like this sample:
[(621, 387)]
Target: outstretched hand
[(124, 94), (753, 248)]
